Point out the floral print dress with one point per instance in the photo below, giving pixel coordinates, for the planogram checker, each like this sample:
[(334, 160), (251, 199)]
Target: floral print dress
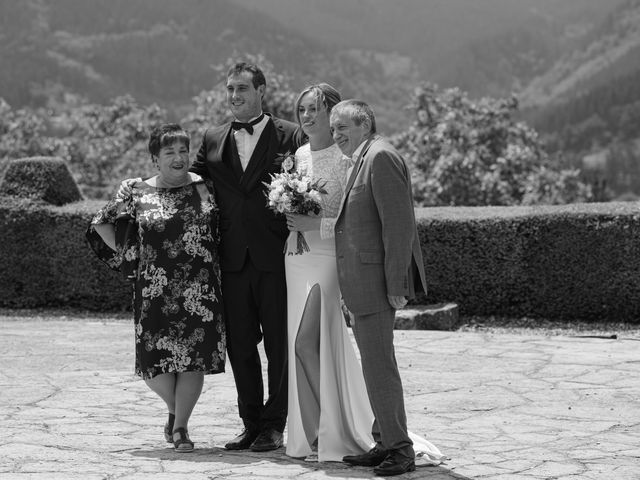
[(167, 244)]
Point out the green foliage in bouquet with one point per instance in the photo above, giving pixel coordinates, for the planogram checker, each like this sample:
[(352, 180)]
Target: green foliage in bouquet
[(472, 153)]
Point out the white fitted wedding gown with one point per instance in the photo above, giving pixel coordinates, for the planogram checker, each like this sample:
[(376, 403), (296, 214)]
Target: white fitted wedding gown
[(344, 424)]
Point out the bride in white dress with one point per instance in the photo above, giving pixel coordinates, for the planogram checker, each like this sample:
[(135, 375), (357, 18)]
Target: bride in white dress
[(329, 410), (328, 404)]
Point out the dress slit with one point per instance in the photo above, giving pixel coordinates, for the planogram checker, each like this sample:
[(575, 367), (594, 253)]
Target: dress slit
[(306, 367)]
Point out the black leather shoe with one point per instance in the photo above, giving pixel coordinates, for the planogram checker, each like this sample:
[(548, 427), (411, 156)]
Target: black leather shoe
[(373, 457), (395, 464), (269, 439), (242, 441)]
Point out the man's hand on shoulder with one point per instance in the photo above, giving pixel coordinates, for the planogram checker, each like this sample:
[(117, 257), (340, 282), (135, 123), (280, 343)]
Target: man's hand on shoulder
[(126, 187)]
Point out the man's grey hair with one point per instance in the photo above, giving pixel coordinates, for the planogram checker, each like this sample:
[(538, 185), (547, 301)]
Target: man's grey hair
[(357, 110)]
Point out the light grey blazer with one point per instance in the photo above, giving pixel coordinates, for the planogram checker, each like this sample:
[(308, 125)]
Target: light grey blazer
[(377, 246)]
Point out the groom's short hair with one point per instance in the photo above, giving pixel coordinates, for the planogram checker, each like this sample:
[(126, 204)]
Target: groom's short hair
[(356, 110), (257, 77)]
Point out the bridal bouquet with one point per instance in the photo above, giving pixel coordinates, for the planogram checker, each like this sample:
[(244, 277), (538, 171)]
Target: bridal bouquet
[(293, 191)]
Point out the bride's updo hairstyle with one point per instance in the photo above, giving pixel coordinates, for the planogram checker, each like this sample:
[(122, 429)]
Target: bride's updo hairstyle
[(325, 95)]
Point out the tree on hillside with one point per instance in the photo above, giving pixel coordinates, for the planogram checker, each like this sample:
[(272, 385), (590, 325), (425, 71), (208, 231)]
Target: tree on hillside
[(106, 144), (102, 144), (464, 152), (23, 133)]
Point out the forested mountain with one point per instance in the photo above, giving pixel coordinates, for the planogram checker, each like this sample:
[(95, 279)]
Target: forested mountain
[(588, 102), (612, 50), (152, 49), (486, 47), (164, 51), (574, 65)]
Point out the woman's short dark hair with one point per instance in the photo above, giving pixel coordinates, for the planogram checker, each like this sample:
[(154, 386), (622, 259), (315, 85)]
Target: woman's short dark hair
[(166, 134), (325, 95), (257, 77)]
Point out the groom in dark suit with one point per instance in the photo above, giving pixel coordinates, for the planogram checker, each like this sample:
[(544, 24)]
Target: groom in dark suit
[(239, 156)]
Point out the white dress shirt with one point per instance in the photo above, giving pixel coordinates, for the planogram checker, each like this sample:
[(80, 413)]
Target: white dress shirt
[(354, 157), (246, 142)]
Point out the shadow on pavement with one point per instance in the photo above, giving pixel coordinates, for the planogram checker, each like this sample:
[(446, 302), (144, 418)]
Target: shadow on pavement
[(277, 457)]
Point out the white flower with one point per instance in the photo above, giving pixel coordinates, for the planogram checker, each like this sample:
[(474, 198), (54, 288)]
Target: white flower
[(315, 195), (288, 164), (157, 280), (273, 196), (301, 186)]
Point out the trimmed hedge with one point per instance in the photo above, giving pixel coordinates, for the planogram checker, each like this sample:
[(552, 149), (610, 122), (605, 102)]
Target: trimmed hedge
[(40, 178), (45, 260), (579, 261), (558, 262)]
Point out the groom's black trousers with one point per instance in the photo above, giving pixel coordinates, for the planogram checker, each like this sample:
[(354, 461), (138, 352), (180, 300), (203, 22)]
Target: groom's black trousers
[(256, 308)]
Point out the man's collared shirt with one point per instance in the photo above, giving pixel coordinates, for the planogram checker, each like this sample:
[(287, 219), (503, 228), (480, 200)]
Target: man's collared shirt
[(354, 157), (246, 143)]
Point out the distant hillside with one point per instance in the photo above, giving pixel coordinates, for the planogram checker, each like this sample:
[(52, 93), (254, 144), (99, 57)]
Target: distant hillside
[(587, 105), (152, 49), (164, 51), (593, 93), (612, 50), (549, 51), (486, 47), (105, 48)]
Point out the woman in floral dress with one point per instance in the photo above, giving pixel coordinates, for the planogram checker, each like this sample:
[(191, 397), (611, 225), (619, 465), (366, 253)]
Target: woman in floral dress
[(163, 236)]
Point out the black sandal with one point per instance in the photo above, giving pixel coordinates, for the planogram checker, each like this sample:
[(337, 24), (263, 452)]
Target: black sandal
[(183, 444), (168, 428)]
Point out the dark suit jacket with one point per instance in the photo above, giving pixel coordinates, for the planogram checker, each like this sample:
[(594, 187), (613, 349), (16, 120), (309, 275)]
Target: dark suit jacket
[(377, 247), (247, 226)]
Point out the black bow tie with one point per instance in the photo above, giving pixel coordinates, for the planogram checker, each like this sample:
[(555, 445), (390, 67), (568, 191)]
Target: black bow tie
[(247, 126)]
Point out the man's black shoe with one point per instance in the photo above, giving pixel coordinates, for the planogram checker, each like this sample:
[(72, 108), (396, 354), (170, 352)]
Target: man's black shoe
[(242, 441), (395, 464), (373, 457), (269, 439)]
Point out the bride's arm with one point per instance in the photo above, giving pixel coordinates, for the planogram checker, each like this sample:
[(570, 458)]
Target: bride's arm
[(327, 226)]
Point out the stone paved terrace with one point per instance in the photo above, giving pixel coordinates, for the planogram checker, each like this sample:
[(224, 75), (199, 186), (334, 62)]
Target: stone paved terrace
[(500, 405)]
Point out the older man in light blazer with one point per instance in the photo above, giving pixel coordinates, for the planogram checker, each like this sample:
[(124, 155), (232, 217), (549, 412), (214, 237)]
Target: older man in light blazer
[(379, 268)]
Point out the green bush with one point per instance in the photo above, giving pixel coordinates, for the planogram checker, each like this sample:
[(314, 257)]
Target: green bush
[(45, 260), (579, 261), (40, 178), (475, 152)]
